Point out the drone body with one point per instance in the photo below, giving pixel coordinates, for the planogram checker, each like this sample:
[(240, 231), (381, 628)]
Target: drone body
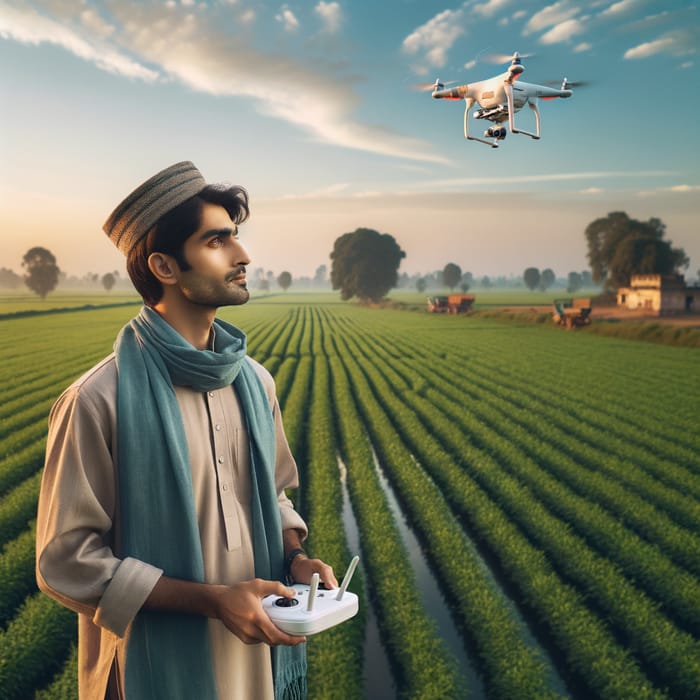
[(499, 98)]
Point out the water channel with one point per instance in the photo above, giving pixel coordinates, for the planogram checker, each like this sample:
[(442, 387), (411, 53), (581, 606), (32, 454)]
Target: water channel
[(378, 680)]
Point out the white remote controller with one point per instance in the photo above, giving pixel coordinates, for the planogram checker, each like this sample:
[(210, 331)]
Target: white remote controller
[(313, 609)]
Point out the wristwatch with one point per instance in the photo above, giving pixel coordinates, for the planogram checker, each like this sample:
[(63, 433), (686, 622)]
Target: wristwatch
[(288, 564)]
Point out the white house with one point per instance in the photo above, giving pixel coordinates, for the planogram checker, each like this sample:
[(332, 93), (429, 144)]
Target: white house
[(660, 294)]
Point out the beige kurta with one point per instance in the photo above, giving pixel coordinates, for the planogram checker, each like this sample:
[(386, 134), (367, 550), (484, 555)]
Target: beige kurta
[(78, 529)]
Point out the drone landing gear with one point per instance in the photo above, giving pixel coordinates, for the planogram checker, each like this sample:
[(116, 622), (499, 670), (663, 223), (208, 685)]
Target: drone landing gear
[(469, 104), (511, 114)]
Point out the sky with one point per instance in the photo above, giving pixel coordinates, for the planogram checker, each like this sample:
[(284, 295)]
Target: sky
[(312, 106)]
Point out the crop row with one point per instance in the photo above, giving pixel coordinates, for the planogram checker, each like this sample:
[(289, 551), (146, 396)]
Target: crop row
[(671, 653), (335, 659), (488, 420), (590, 649), (512, 667), (426, 669)]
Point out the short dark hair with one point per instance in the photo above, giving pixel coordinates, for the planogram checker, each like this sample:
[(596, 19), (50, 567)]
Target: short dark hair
[(173, 229)]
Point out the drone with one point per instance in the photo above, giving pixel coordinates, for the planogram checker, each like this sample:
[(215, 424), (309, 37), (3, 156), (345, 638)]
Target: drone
[(499, 98)]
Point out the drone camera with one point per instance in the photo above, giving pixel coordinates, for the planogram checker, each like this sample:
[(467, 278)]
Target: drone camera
[(496, 132)]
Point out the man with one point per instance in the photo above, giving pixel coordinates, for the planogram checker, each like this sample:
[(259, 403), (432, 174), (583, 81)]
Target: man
[(163, 519)]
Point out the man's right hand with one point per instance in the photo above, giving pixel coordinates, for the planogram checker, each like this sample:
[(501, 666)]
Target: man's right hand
[(240, 608)]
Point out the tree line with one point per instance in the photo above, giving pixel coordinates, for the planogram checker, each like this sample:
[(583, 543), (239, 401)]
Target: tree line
[(365, 264)]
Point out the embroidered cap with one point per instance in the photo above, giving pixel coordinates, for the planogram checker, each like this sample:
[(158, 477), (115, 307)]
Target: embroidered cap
[(139, 212)]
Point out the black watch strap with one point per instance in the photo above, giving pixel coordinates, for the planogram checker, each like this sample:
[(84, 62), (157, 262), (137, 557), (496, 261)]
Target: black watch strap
[(288, 563)]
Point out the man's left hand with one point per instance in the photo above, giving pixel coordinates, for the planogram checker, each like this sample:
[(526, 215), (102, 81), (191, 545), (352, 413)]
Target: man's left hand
[(303, 568)]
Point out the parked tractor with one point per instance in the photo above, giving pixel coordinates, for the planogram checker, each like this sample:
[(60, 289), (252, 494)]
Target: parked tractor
[(451, 304), (572, 313)]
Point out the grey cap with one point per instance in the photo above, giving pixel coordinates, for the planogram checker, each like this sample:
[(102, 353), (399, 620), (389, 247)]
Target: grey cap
[(140, 211)]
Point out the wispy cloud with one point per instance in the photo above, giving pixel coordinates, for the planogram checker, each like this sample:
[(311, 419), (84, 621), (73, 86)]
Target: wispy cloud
[(682, 42), (29, 27), (330, 14), (550, 16), (619, 8), (491, 7), (152, 43), (432, 40), (288, 19), (562, 32)]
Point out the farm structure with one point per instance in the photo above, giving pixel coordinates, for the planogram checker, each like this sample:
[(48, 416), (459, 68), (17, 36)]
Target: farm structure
[(660, 294), (572, 313), (451, 304), (559, 524)]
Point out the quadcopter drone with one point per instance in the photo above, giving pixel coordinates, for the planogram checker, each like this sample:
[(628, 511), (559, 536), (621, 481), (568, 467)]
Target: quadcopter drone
[(499, 98)]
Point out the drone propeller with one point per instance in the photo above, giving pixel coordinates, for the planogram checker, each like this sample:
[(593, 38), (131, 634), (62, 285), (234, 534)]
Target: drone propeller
[(437, 85), (567, 84), (506, 57)]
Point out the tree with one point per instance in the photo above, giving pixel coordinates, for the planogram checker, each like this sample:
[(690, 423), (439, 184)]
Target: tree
[(365, 264), (108, 281), (619, 247), (421, 284), (547, 279), (451, 275), (284, 279), (42, 271), (486, 282), (531, 276), (574, 283), (9, 279)]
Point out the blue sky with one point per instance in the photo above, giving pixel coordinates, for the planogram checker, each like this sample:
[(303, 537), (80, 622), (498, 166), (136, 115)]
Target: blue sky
[(310, 106)]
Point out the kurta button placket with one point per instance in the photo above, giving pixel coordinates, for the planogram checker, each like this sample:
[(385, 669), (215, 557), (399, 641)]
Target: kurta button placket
[(224, 460)]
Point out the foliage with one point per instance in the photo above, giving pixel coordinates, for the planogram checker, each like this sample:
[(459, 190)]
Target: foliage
[(451, 275), (365, 264), (547, 279), (108, 281), (42, 272), (531, 276), (574, 283), (619, 247), (421, 284), (284, 280)]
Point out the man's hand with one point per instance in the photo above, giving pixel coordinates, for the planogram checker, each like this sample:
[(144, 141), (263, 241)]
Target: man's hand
[(303, 568), (240, 608)]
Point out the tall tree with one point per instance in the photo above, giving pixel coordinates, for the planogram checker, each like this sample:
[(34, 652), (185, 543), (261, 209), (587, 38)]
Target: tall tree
[(451, 275), (108, 281), (284, 279), (531, 277), (42, 272), (547, 278), (619, 247), (365, 264), (575, 282)]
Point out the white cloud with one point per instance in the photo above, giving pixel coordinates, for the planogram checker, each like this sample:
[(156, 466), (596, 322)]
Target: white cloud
[(549, 16), (288, 19), (684, 188), (562, 32), (29, 27), (650, 48), (92, 20), (583, 46), (619, 8), (592, 191), (681, 42), (434, 39), (687, 64), (491, 7), (330, 15)]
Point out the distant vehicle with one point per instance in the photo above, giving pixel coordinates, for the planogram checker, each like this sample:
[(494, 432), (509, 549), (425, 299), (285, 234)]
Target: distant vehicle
[(451, 304), (572, 313)]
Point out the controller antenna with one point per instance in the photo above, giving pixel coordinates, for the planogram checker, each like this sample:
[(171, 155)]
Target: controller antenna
[(312, 592), (347, 577)]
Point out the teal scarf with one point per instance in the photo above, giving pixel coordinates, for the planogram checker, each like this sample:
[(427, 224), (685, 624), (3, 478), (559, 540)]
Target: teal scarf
[(168, 654)]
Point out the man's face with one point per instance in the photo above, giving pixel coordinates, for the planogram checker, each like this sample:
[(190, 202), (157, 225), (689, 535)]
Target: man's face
[(218, 262)]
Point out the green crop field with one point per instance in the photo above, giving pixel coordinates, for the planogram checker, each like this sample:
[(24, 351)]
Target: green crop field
[(551, 479)]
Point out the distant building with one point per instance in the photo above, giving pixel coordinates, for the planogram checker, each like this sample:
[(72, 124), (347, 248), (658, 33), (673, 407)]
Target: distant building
[(660, 294)]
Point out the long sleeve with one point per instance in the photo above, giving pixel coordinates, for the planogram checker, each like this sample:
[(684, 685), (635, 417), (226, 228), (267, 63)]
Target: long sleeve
[(75, 559)]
